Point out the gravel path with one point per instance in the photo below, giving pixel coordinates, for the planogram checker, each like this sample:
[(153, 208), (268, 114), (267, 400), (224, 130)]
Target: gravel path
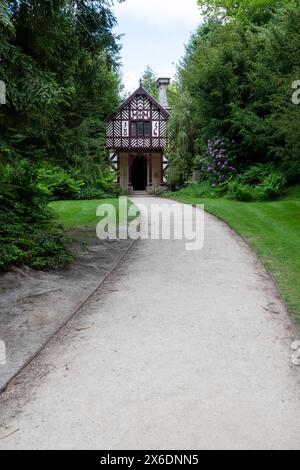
[(177, 350)]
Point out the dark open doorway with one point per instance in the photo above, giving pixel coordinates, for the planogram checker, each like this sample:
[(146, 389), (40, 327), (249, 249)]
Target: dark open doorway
[(139, 173)]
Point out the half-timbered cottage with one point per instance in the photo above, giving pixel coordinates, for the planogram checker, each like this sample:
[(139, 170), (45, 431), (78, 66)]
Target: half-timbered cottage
[(137, 138)]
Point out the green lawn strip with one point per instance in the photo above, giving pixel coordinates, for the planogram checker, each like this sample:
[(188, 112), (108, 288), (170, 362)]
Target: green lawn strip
[(76, 214), (272, 229)]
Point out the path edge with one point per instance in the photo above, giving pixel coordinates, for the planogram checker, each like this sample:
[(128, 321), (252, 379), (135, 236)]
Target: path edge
[(28, 361), (247, 243)]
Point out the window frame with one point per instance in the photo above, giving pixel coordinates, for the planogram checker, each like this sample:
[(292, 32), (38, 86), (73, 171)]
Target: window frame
[(140, 129)]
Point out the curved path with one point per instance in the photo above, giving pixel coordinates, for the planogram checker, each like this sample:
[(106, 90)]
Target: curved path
[(177, 350)]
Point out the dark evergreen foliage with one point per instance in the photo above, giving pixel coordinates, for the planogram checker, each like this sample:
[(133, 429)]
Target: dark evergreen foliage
[(59, 61), (235, 84)]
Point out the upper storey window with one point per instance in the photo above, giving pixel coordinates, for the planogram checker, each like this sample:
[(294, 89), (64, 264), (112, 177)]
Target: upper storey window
[(140, 129)]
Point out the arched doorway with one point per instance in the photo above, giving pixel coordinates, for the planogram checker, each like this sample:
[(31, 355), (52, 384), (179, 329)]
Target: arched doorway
[(139, 173)]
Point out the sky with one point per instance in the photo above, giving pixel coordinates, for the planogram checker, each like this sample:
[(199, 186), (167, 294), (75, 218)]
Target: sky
[(155, 32)]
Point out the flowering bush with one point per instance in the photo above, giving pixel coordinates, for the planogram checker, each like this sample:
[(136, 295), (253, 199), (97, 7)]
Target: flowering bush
[(217, 166)]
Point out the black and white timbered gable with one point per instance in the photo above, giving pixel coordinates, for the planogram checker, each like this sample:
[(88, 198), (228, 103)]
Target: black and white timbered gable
[(140, 123)]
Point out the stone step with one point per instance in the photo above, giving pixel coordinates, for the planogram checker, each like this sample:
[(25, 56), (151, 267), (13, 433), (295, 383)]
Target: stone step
[(140, 194)]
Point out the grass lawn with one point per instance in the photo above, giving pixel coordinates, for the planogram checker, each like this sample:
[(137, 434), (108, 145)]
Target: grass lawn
[(272, 230), (75, 214)]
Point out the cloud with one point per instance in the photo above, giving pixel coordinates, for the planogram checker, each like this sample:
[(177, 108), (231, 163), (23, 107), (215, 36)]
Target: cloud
[(160, 12), (130, 80), (155, 32)]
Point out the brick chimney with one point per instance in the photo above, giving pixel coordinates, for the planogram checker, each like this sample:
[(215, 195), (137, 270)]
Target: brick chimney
[(163, 84)]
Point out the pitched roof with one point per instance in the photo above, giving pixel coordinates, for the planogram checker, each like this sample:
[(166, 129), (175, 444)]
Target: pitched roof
[(142, 91)]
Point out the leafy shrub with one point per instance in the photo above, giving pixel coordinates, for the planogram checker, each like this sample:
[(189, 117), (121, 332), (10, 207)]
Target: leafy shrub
[(242, 192), (91, 192), (102, 186), (257, 173), (57, 183), (27, 233), (39, 247), (291, 170), (273, 185), (107, 180)]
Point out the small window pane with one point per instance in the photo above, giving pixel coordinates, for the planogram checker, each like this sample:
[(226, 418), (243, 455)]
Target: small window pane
[(133, 129), (140, 129), (147, 129)]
